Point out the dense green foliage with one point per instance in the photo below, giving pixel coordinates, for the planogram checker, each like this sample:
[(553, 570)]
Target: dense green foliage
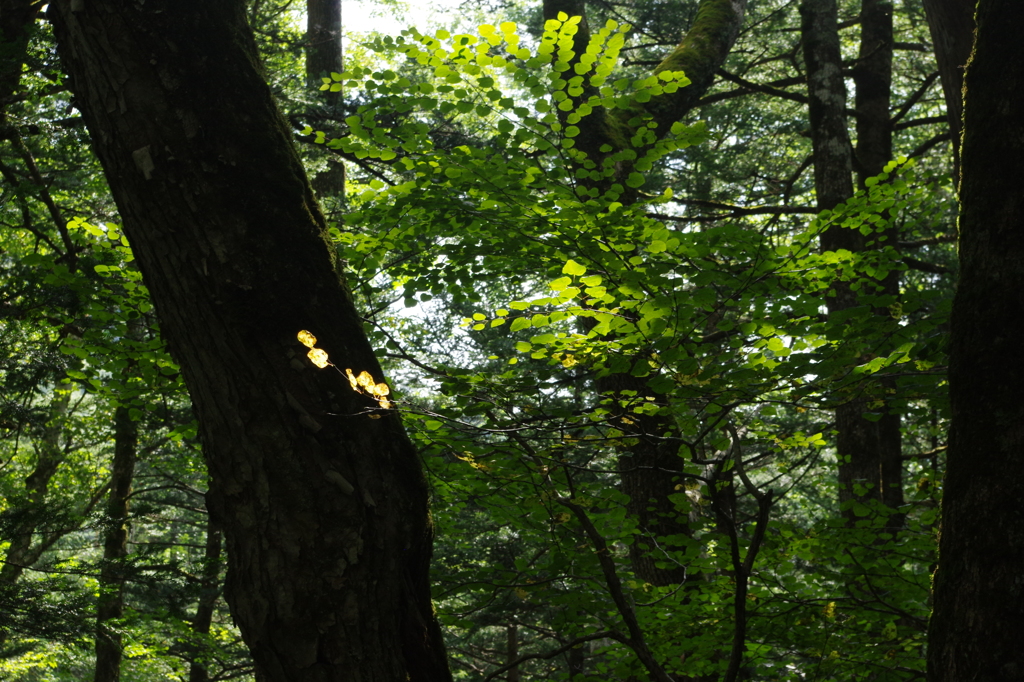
[(512, 282)]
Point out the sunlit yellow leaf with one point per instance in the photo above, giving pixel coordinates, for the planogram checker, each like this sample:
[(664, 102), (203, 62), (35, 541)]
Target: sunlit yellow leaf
[(385, 404), (318, 356), (352, 379), (307, 339), (365, 380), (380, 389)]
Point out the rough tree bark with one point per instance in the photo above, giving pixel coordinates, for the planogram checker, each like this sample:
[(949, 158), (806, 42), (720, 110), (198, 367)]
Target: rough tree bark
[(323, 40), (951, 23), (323, 508), (833, 162), (978, 616), (324, 57), (872, 78), (868, 451), (110, 604)]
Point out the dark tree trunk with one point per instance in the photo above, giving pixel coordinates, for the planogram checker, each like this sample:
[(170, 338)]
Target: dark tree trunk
[(323, 40), (951, 23), (512, 651), (872, 77), (868, 451), (324, 57), (16, 17), (323, 507), (209, 592), (975, 631), (873, 80), (577, 661), (110, 604), (833, 165)]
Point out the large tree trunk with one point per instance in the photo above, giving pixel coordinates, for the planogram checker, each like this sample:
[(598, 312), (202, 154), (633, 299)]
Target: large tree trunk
[(323, 507), (110, 604), (979, 594)]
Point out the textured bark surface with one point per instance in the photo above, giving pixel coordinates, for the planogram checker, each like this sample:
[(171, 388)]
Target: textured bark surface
[(110, 603), (833, 164), (976, 626), (951, 23), (323, 39), (324, 57), (324, 509), (868, 452), (872, 77)]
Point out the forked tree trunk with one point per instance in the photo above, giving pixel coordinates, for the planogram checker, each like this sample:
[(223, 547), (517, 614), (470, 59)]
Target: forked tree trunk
[(976, 625), (651, 465), (323, 507)]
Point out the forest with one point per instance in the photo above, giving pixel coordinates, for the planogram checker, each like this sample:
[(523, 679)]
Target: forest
[(582, 340)]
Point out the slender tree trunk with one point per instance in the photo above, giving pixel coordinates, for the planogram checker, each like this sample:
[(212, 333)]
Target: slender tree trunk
[(978, 616), (512, 651), (833, 165), (873, 80), (323, 40), (320, 493), (951, 23), (22, 551), (868, 451), (324, 57), (577, 661), (110, 605), (209, 592)]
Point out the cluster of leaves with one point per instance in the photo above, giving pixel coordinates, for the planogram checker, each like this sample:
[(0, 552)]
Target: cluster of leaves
[(723, 324)]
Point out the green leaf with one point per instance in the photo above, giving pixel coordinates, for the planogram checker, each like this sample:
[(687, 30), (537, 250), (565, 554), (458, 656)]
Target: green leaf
[(573, 268)]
